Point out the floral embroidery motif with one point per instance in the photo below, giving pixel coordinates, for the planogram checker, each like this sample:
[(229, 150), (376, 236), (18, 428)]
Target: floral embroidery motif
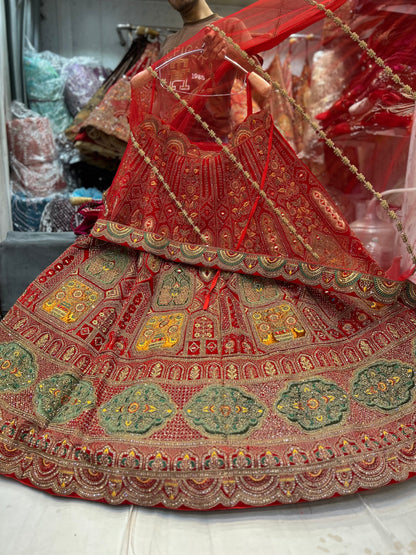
[(313, 404), (106, 267), (71, 301), (17, 367), (204, 337), (137, 410), (222, 410), (276, 324), (62, 398), (259, 290), (385, 385), (161, 331), (175, 289)]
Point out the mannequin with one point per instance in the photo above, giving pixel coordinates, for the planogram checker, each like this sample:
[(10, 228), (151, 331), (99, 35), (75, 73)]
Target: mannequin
[(196, 14), (191, 10)]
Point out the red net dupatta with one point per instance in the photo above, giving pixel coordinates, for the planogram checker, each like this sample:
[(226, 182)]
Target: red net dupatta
[(244, 203)]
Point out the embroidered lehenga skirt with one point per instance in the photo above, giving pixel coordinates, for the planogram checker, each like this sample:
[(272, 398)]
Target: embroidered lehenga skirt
[(147, 366)]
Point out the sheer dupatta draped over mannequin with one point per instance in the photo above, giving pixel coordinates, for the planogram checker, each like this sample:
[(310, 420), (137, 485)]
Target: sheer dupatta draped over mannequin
[(217, 187)]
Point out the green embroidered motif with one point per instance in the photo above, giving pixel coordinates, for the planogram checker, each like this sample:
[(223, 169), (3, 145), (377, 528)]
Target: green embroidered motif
[(223, 410), (313, 404), (385, 385), (175, 289), (17, 367), (64, 397), (107, 267), (259, 290), (137, 410)]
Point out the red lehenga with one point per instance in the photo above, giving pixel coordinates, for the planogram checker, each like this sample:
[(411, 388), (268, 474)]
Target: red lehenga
[(213, 344)]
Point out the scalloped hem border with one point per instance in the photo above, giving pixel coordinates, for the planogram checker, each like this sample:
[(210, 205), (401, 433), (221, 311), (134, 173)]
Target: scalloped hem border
[(364, 286), (215, 493)]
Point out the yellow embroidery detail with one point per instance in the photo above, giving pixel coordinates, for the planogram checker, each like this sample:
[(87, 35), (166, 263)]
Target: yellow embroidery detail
[(71, 301), (161, 331)]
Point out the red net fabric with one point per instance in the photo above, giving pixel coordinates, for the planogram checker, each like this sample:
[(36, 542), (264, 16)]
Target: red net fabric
[(208, 186), (204, 76), (193, 179)]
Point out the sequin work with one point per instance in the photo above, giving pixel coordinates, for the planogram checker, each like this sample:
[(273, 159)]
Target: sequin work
[(221, 340), (276, 393)]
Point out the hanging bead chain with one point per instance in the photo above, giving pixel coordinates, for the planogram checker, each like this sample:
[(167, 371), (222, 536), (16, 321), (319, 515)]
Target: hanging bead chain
[(168, 189), (329, 142), (236, 162), (364, 46)]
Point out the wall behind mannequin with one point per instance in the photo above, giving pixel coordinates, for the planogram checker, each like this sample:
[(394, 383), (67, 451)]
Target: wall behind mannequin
[(80, 28)]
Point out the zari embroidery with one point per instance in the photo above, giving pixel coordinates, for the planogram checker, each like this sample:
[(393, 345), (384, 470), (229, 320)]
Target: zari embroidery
[(118, 383), (336, 150), (18, 369), (62, 398)]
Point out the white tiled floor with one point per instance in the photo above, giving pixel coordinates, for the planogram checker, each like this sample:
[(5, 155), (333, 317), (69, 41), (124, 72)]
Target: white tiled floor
[(381, 522)]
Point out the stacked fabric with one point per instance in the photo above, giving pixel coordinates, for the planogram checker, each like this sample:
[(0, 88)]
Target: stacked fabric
[(45, 87), (27, 211), (103, 135), (34, 167), (131, 57)]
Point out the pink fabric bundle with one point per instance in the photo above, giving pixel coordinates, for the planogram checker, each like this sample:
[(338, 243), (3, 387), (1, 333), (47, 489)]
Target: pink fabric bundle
[(34, 167)]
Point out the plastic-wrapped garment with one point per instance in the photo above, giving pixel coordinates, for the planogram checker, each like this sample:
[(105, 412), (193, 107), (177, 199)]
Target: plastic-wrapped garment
[(58, 215), (31, 140), (27, 211), (83, 79), (281, 109), (105, 131), (131, 57), (35, 170), (329, 78), (38, 179), (301, 93), (330, 70), (409, 204), (45, 87)]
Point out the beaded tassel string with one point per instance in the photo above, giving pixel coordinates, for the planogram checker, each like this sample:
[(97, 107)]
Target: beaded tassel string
[(168, 189), (329, 142), (235, 161)]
